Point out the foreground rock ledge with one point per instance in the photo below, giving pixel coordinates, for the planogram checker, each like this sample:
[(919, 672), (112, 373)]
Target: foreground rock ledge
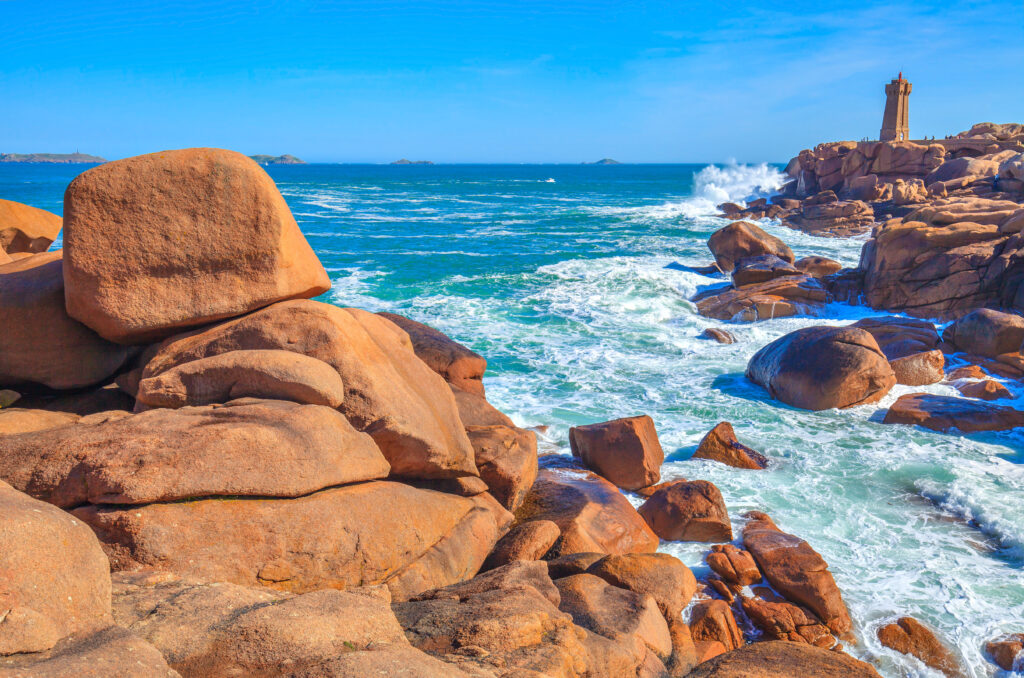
[(783, 659)]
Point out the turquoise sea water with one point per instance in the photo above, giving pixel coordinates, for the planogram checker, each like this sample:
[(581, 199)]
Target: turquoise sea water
[(557, 274)]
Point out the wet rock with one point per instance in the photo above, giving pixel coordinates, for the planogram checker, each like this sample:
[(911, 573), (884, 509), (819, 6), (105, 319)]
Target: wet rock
[(761, 268), (660, 575), (591, 513), (720, 444), (56, 580), (919, 369), (225, 629), (986, 389), (967, 372), (943, 413), (733, 565), (276, 375), (688, 511), (909, 636), (389, 393), (712, 620), (246, 448), (111, 651), (40, 343), (779, 298), (817, 368), (506, 458), (900, 337), (370, 533), (718, 335), (783, 660), (796, 571), (26, 229), (624, 451), (458, 365), (526, 541), (817, 267), (986, 332), (743, 239), (1004, 651), (142, 263)]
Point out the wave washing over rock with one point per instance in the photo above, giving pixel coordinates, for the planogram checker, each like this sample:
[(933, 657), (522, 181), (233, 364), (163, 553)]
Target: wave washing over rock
[(580, 295)]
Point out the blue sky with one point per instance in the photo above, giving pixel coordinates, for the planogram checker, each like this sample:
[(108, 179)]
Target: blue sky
[(497, 81)]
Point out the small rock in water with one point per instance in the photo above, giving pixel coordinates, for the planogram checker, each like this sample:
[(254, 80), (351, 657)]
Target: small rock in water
[(743, 239), (919, 369), (986, 389), (720, 444), (1004, 651), (719, 335), (942, 413), (909, 636)]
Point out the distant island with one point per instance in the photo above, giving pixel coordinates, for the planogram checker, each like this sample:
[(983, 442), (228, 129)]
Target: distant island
[(278, 159), (604, 161), (64, 158), (404, 161)]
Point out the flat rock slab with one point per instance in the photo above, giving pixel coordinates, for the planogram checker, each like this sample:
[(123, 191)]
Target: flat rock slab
[(944, 413), (264, 448)]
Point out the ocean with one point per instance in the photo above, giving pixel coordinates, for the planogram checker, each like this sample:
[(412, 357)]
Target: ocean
[(559, 275)]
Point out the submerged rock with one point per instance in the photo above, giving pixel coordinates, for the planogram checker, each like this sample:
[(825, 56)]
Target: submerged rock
[(818, 368), (718, 335), (909, 636), (158, 243), (943, 413), (624, 451)]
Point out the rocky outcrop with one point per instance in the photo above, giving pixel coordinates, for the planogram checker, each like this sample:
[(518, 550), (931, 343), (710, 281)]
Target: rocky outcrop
[(243, 449), (796, 571), (142, 262), (624, 451), (781, 297), (25, 229), (688, 511), (56, 580), (986, 332), (720, 444), (458, 365), (40, 343), (919, 369), (591, 513), (733, 565), (111, 651), (817, 267), (909, 636), (660, 575), (276, 375), (825, 215), (818, 368), (742, 239), (713, 620), (526, 541), (718, 335), (944, 413), (389, 393), (780, 659), (761, 268)]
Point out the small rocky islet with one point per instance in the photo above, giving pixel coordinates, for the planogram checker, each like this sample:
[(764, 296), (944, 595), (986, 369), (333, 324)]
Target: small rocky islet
[(207, 472)]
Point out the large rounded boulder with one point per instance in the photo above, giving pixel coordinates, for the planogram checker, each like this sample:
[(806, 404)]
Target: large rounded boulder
[(742, 239), (986, 332), (39, 342), (162, 242), (818, 368)]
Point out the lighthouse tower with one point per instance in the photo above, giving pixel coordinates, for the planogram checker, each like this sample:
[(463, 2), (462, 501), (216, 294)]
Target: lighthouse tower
[(896, 121)]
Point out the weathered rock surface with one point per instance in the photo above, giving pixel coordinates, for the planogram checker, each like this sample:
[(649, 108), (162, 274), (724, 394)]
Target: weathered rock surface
[(779, 619), (761, 268), (40, 343), (458, 365), (986, 389), (958, 168), (817, 368), (900, 337), (743, 239), (720, 444), (943, 413), (779, 298), (817, 267), (506, 458), (474, 410), (526, 541), (909, 636), (389, 393), (660, 575), (624, 451), (111, 651), (919, 369), (986, 332), (56, 580), (370, 533), (591, 513), (718, 335), (779, 659), (143, 260), (1004, 651), (225, 629), (733, 565), (272, 374), (247, 448), (688, 511), (713, 620), (26, 229), (25, 420), (826, 215), (796, 571)]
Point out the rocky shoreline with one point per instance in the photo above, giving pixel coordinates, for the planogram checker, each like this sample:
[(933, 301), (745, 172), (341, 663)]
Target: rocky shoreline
[(209, 473)]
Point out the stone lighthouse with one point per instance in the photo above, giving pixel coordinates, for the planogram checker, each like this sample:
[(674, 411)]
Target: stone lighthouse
[(896, 121)]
